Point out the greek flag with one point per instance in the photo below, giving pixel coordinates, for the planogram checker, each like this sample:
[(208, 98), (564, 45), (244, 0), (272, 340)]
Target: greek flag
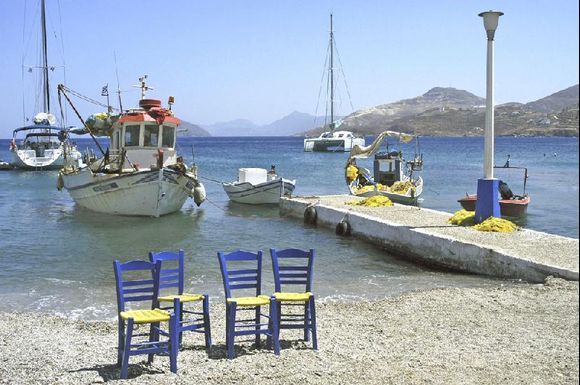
[(105, 91)]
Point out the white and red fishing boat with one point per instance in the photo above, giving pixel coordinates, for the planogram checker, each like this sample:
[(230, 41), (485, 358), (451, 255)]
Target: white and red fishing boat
[(140, 173)]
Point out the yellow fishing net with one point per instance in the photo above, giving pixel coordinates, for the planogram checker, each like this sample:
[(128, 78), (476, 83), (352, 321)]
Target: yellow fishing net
[(497, 225), (401, 187), (375, 201), (467, 218), (463, 218), (363, 189)]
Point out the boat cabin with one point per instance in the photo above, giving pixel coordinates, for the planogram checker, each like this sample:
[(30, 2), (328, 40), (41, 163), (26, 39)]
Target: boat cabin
[(147, 136), (388, 168)]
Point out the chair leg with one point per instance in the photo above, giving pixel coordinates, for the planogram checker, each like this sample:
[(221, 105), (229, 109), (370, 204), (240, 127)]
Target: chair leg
[(120, 341), (127, 349), (178, 311), (174, 335), (258, 319), (153, 336), (279, 317), (313, 323), (275, 325), (307, 321), (206, 322), (231, 324)]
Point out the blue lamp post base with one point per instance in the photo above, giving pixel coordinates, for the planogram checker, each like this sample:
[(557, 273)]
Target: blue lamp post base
[(487, 204)]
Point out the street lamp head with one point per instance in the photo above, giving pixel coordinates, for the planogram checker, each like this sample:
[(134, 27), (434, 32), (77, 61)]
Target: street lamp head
[(490, 20)]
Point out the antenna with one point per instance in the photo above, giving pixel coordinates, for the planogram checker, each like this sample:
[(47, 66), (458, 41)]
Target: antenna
[(118, 85), (144, 87)]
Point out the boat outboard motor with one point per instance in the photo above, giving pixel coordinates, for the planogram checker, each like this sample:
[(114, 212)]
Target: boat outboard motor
[(505, 191)]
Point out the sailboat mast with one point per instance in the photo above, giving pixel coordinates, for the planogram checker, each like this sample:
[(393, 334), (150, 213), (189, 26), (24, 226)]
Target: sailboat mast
[(331, 75), (45, 61)]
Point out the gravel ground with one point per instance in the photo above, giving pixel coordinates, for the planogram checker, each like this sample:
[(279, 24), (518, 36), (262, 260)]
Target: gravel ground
[(522, 334)]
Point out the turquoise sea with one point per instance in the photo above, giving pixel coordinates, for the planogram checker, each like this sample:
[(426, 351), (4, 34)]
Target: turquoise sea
[(57, 258)]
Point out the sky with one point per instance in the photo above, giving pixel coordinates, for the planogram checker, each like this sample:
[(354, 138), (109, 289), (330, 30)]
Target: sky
[(261, 60)]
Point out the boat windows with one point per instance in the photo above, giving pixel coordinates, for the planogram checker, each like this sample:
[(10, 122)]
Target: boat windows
[(151, 135), (168, 136), (132, 135)]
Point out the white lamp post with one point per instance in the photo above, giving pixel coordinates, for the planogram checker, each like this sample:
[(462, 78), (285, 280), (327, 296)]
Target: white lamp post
[(487, 200)]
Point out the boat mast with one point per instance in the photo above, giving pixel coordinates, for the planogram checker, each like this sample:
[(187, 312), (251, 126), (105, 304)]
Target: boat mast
[(45, 61), (331, 76)]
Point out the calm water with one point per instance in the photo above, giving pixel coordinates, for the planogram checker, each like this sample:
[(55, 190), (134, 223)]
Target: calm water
[(57, 258)]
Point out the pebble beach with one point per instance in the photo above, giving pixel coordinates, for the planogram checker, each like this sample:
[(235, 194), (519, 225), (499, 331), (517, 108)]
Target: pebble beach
[(517, 334)]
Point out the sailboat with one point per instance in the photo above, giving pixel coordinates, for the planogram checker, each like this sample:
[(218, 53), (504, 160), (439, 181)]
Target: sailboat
[(333, 139), (43, 145)]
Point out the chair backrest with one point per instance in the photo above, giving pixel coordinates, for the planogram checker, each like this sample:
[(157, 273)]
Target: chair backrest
[(292, 267), (241, 270), (171, 274), (136, 281)]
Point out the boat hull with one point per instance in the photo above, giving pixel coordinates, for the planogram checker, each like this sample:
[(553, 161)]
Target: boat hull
[(332, 145), (262, 193), (140, 193), (406, 199), (513, 208)]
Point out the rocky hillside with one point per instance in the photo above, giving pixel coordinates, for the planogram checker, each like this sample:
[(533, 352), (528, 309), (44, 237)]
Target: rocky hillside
[(557, 101), (452, 112)]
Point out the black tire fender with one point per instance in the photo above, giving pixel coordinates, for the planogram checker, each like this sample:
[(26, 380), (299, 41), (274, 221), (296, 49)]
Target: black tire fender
[(310, 215), (343, 228)]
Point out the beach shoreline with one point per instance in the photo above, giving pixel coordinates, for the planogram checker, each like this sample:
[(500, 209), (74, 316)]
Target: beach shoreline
[(524, 333)]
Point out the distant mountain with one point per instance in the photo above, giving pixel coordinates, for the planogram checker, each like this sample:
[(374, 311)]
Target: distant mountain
[(190, 129), (238, 127), (291, 124), (556, 101), (452, 112)]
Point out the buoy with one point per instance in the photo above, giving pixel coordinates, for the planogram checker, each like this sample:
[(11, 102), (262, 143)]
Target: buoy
[(343, 228), (310, 215), (199, 194)]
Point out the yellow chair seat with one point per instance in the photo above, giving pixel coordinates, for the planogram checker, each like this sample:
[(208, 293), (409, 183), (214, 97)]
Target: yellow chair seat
[(182, 298), (292, 297), (146, 316), (250, 301)]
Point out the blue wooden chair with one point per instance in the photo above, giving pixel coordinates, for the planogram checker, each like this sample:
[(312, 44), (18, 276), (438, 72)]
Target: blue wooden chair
[(242, 272), (138, 281), (294, 267), (171, 276)]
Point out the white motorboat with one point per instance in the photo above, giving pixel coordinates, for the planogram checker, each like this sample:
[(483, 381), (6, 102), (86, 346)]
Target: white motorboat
[(45, 145), (333, 140), (392, 176), (141, 173), (258, 186)]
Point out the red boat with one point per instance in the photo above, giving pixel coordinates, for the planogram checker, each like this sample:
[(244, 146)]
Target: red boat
[(510, 205), (515, 207)]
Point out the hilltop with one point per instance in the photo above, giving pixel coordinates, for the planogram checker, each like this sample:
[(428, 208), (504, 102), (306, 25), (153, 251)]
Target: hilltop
[(452, 112)]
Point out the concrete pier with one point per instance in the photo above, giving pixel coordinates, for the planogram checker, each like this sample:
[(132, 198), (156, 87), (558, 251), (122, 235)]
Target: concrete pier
[(424, 235)]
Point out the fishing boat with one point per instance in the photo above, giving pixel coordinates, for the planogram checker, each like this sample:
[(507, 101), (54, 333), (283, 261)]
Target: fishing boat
[(43, 145), (333, 140), (257, 186), (511, 205), (140, 174), (392, 176)]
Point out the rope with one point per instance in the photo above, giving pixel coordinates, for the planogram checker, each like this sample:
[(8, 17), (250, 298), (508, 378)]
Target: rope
[(87, 99), (211, 180)]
